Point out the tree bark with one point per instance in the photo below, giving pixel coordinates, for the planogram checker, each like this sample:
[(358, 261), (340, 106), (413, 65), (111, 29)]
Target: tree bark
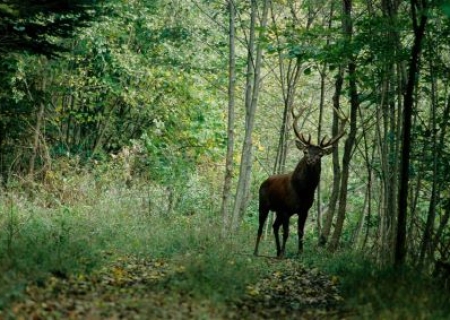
[(325, 232), (254, 59), (347, 26), (446, 217), (426, 244), (226, 195), (289, 75), (419, 32)]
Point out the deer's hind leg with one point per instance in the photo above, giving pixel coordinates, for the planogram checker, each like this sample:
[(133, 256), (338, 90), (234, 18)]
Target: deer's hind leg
[(285, 235), (263, 213)]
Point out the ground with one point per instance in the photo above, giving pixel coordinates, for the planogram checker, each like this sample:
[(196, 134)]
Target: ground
[(133, 288)]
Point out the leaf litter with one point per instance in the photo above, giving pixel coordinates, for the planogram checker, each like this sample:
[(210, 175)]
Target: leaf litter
[(134, 288)]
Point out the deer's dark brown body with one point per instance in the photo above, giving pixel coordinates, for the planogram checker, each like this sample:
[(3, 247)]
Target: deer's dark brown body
[(292, 193)]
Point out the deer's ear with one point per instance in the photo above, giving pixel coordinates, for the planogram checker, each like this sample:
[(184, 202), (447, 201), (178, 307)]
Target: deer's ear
[(300, 145), (327, 151)]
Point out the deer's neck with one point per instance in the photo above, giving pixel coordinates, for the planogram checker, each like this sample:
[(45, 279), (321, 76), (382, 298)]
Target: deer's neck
[(305, 177)]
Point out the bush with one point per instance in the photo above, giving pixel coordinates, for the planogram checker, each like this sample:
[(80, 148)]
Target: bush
[(375, 292)]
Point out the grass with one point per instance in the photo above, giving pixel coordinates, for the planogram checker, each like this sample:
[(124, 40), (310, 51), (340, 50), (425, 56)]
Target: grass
[(37, 242), (376, 292), (62, 240)]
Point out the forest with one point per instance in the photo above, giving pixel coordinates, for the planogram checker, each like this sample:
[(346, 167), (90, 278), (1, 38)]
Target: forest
[(135, 136)]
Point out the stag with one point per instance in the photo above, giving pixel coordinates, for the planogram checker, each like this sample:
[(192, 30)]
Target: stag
[(293, 193)]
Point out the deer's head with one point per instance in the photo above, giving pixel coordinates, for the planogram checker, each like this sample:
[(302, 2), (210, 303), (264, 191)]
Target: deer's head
[(313, 153)]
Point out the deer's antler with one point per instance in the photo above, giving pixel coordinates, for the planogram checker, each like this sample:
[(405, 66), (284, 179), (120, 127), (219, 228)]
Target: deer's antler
[(331, 142), (344, 119), (297, 132)]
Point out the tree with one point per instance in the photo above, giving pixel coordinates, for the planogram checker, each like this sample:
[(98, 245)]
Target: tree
[(35, 27), (347, 26), (253, 82), (27, 25), (419, 22), (228, 179)]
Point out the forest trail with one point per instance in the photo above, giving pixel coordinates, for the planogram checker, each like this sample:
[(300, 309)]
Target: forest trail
[(147, 289)]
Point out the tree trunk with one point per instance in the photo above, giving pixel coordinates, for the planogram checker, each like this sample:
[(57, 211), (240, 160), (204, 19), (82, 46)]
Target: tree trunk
[(359, 239), (428, 242), (226, 196), (444, 220), (37, 134), (325, 232), (347, 26), (419, 32), (37, 130), (254, 59), (289, 76), (348, 149), (334, 132), (319, 134)]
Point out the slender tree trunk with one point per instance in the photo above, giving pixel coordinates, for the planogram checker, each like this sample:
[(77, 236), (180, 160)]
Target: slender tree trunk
[(419, 25), (429, 243), (37, 134), (383, 130), (37, 131), (289, 74), (426, 244), (319, 133), (325, 232), (348, 149), (388, 141), (347, 26), (226, 196), (322, 236), (366, 210), (254, 59), (388, 156), (444, 220)]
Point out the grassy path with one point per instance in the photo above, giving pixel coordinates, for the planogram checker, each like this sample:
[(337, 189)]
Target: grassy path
[(162, 289)]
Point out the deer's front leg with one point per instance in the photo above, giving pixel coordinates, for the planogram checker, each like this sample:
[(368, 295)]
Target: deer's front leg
[(285, 236), (300, 227)]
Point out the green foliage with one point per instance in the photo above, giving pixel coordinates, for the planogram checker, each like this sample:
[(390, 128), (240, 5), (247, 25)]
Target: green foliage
[(445, 7), (33, 26), (124, 76), (376, 292)]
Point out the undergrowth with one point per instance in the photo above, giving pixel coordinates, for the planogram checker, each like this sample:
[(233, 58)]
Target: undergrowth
[(376, 292), (100, 226), (61, 240)]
